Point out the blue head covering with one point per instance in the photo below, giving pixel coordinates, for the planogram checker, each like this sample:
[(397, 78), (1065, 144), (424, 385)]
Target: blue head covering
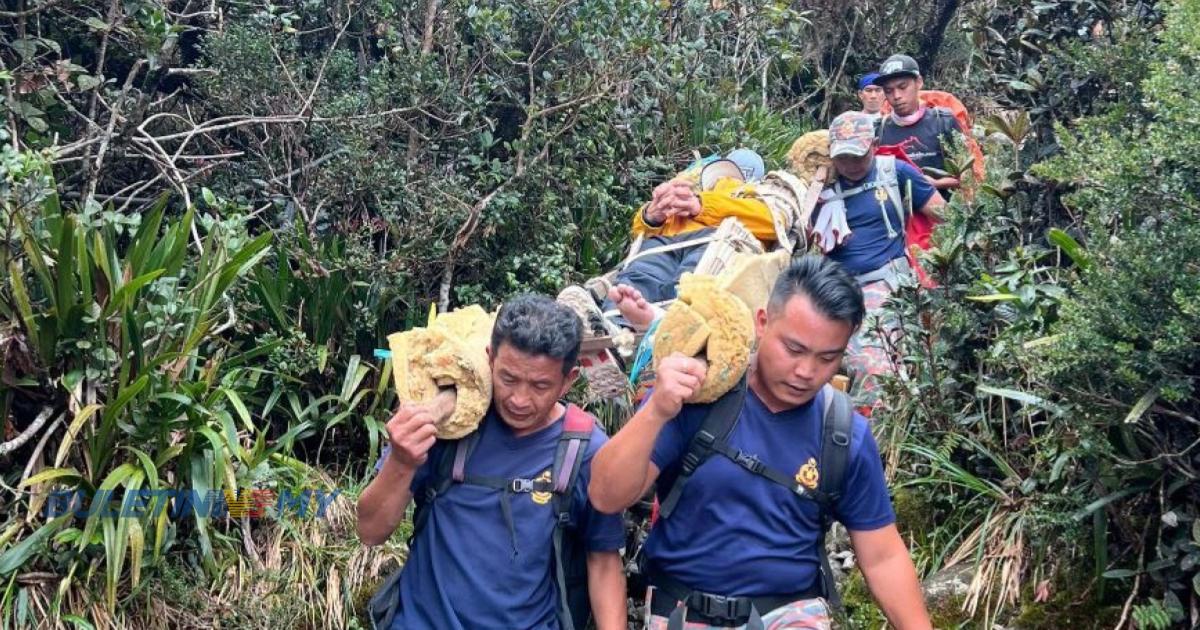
[(750, 163), (867, 79)]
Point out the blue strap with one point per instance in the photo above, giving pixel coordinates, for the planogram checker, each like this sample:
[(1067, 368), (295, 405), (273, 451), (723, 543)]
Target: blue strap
[(645, 352)]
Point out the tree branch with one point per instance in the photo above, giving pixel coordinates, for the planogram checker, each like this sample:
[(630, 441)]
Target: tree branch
[(28, 12), (28, 433)]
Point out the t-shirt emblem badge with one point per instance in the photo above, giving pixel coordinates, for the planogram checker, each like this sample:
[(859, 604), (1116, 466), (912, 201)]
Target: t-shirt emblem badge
[(808, 475), (541, 498)]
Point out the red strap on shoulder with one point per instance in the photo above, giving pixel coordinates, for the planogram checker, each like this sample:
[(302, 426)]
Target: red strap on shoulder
[(578, 420)]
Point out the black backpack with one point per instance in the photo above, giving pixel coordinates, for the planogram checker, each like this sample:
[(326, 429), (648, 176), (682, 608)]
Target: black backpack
[(713, 438), (570, 555)]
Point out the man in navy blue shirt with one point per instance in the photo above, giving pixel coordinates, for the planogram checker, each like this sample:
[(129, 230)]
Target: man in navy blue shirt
[(861, 224), (484, 557), (733, 535)]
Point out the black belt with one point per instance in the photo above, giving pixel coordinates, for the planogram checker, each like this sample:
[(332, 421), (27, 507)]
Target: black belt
[(714, 610)]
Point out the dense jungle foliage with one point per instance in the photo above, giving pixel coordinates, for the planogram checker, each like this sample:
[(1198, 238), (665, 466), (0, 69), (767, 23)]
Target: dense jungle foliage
[(214, 211)]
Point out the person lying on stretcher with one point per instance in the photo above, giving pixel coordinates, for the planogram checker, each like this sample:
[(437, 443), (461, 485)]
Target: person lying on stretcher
[(671, 234)]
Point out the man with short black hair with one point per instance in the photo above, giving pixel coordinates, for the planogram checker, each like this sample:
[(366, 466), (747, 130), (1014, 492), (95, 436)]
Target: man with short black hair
[(483, 554), (741, 544), (871, 96), (921, 131)]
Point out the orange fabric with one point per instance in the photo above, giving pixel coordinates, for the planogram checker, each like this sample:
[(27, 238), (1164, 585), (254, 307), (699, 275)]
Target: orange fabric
[(946, 100), (918, 229)]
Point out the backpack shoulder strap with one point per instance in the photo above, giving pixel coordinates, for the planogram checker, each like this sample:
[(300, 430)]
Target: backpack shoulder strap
[(568, 460), (572, 444), (949, 122), (837, 425), (889, 178), (449, 469), (718, 423)]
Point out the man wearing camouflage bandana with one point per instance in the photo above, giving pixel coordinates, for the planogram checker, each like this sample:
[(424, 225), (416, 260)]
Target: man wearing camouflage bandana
[(861, 225)]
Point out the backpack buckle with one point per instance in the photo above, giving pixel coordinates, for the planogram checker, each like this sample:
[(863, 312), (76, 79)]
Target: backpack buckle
[(748, 461), (718, 608), (520, 486)]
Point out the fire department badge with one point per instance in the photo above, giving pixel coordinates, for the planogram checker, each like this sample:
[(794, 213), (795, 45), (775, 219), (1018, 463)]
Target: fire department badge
[(808, 475), (541, 498)]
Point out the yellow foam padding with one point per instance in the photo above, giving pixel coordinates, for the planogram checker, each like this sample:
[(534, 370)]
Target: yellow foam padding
[(727, 344), (810, 152), (752, 276), (685, 331), (453, 349)]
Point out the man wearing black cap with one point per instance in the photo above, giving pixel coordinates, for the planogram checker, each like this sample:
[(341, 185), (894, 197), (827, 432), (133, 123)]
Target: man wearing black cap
[(921, 131)]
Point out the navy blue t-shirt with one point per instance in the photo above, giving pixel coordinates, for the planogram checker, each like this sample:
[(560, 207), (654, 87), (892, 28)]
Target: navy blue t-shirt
[(466, 569), (734, 533), (868, 248)]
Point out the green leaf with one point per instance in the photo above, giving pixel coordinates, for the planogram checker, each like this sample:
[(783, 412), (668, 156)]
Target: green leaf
[(146, 237), (1103, 501), (16, 556), (1119, 574), (148, 466), (125, 395), (137, 546), (72, 431), (1143, 403), (51, 473), (33, 253), (21, 295), (79, 622), (24, 47), (66, 271), (1070, 247), (96, 24), (240, 407), (87, 82), (1019, 396), (124, 296), (994, 297), (355, 373)]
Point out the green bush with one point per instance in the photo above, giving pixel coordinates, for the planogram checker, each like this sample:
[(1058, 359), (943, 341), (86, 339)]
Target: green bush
[(1054, 397)]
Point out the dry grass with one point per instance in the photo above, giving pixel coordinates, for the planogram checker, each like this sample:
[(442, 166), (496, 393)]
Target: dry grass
[(305, 573)]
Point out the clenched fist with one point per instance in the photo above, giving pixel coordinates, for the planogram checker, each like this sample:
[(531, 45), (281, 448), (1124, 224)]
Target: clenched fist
[(677, 379), (411, 432)]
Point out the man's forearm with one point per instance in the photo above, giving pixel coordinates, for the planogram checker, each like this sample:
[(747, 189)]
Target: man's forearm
[(893, 582), (620, 469), (382, 505), (946, 183), (606, 590)]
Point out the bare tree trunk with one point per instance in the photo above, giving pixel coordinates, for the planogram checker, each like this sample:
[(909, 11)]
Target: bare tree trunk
[(935, 34), (431, 11)]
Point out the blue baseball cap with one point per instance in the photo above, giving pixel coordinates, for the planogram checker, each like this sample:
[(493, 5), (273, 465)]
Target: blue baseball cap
[(867, 80), (749, 163)]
